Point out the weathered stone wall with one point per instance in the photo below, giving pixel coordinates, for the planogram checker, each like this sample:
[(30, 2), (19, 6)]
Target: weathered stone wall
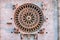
[(59, 17), (11, 36)]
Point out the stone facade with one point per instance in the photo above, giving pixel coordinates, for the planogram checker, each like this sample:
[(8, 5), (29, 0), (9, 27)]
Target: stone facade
[(59, 16)]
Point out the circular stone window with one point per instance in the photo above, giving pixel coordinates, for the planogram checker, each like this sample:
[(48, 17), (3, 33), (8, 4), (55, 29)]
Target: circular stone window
[(28, 17)]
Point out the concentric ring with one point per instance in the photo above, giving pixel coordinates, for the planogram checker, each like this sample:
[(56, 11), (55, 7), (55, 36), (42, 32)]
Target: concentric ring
[(28, 17)]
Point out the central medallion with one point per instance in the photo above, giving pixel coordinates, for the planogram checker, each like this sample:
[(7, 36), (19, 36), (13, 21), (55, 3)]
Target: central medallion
[(28, 18)]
